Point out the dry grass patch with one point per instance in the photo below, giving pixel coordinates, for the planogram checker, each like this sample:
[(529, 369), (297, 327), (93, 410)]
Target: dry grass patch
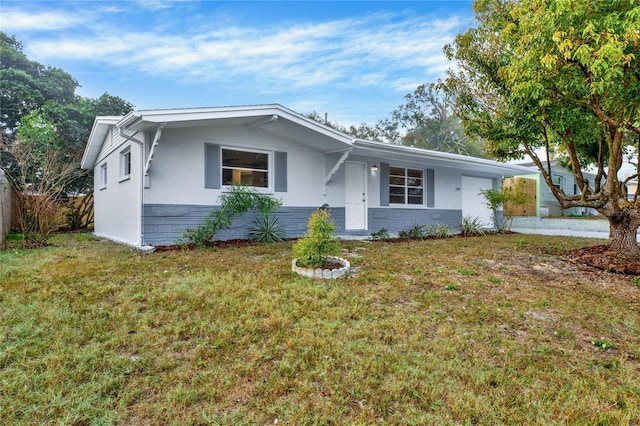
[(487, 330)]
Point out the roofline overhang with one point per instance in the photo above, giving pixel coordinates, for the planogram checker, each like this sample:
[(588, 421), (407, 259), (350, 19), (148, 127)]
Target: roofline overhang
[(442, 157), (143, 120), (151, 118), (99, 131)]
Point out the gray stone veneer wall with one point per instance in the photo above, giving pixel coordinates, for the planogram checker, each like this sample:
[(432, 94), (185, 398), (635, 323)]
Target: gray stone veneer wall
[(395, 219), (163, 224)]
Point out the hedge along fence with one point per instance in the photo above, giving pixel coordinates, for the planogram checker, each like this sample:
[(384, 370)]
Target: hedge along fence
[(5, 207)]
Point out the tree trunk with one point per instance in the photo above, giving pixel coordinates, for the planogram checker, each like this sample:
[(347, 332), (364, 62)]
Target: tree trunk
[(622, 234)]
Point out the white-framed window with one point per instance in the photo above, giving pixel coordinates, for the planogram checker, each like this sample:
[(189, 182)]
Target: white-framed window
[(250, 168), (125, 164), (103, 176), (406, 186), (557, 181)]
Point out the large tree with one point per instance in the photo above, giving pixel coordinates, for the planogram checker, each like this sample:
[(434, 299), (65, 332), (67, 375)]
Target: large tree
[(429, 122), (552, 79), (426, 120), (28, 87)]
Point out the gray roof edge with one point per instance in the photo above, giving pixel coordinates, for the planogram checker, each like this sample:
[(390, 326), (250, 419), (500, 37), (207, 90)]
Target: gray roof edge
[(426, 153)]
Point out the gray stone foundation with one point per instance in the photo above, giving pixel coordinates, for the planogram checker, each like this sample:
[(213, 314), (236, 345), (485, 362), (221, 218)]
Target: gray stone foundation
[(163, 224)]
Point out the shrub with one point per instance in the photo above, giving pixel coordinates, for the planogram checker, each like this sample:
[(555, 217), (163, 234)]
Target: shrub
[(40, 174), (37, 217), (267, 229), (439, 231), (239, 200), (414, 232), (495, 199), (319, 243), (471, 226), (381, 234)]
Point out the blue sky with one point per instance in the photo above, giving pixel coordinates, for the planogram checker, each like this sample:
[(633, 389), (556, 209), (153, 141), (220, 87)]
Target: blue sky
[(354, 60)]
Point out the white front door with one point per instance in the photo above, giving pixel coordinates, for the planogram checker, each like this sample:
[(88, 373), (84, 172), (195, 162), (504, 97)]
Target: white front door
[(355, 202)]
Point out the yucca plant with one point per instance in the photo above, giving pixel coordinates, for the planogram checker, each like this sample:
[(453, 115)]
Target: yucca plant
[(267, 229), (414, 232), (471, 226)]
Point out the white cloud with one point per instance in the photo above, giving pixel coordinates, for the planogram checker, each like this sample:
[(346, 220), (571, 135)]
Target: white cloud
[(361, 52), (19, 20), (159, 4)]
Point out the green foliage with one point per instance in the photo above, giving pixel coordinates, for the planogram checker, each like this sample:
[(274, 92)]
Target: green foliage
[(439, 231), (603, 344), (557, 80), (320, 241), (426, 120), (238, 200), (267, 229), (497, 199), (414, 232), (429, 122), (381, 234), (472, 226), (30, 89), (40, 176)]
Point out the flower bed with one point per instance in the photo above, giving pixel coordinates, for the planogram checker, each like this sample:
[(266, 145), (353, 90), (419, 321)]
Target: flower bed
[(336, 268)]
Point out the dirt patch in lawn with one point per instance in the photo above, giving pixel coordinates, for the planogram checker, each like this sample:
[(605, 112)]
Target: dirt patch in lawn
[(602, 257)]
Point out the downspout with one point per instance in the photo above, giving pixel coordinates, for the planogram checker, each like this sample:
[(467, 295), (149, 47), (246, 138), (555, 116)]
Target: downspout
[(130, 138), (141, 185)]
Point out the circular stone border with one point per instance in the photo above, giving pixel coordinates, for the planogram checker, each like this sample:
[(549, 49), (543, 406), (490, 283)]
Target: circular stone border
[(323, 273)]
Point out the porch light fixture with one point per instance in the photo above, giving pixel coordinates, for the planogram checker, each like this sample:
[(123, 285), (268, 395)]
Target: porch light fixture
[(374, 168)]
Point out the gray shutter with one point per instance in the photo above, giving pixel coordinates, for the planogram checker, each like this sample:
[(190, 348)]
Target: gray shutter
[(430, 185), (280, 164), (384, 184), (212, 166)]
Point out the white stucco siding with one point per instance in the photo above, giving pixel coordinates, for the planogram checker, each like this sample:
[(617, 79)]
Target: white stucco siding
[(448, 189), (177, 172), (117, 204)]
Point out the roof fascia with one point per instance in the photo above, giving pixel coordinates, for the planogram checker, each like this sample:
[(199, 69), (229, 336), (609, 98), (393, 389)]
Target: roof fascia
[(98, 133), (168, 116), (455, 159)]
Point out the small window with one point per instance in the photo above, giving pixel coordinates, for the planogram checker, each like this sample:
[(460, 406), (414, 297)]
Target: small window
[(103, 176), (245, 167), (406, 186), (125, 164), (557, 181)]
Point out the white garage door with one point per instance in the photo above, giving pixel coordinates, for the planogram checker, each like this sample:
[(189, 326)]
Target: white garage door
[(473, 203)]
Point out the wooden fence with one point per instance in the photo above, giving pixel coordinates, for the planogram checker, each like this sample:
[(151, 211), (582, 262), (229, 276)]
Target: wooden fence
[(5, 207), (524, 186)]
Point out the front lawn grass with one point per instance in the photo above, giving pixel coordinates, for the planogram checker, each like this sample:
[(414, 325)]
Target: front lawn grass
[(488, 330)]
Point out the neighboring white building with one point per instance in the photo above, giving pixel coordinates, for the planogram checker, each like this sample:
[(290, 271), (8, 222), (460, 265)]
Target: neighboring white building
[(158, 172)]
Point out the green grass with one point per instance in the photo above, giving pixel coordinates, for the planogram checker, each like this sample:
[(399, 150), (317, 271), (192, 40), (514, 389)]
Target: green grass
[(486, 330)]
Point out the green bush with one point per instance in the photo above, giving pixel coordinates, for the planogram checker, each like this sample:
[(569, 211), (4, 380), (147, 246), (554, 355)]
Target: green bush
[(238, 200), (319, 243), (267, 229), (381, 234), (414, 232), (496, 199), (439, 231), (471, 226)]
